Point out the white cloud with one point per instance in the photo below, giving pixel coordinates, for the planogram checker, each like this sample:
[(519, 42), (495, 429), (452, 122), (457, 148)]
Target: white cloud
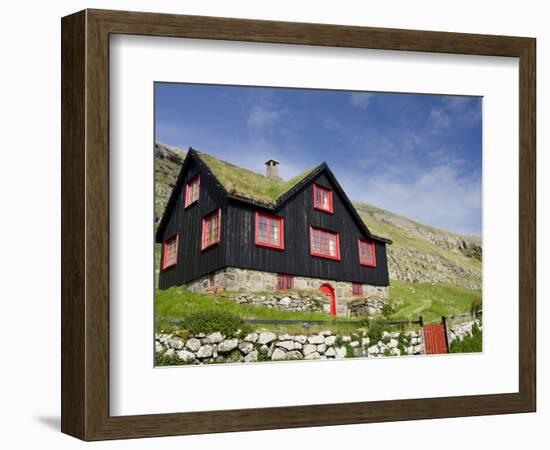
[(260, 117), (455, 112), (439, 196), (361, 99)]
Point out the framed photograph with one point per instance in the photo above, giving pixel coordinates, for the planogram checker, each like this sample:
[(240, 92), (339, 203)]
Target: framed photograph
[(273, 225)]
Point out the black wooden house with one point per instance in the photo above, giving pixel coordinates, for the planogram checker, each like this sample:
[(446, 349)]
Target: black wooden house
[(228, 227)]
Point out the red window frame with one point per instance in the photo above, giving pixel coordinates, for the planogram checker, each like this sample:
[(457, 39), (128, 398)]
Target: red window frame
[(217, 213), (281, 221), (316, 205), (373, 252), (165, 263), (313, 230), (192, 181), (357, 289), (285, 282)]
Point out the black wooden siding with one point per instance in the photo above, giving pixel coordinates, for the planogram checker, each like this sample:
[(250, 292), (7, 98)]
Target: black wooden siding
[(238, 249), (296, 259), (192, 262)]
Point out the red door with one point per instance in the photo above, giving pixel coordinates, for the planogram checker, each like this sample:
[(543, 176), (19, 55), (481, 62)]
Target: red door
[(327, 289), (434, 339)]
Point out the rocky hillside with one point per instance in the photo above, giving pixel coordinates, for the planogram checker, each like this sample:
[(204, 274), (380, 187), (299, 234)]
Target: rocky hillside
[(419, 253)]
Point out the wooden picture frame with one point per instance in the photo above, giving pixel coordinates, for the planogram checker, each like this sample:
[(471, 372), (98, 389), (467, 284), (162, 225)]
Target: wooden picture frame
[(85, 224)]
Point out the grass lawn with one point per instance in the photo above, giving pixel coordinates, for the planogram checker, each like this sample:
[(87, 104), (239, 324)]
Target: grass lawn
[(409, 300), (431, 301), (178, 302)]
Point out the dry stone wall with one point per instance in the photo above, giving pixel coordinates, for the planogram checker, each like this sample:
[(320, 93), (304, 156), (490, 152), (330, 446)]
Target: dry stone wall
[(367, 307), (460, 330), (263, 345)]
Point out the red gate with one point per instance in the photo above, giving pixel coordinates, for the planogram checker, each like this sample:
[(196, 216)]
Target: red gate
[(435, 339)]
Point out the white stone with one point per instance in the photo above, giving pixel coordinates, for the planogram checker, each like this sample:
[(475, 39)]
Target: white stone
[(294, 354), (330, 340), (227, 345), (214, 338), (246, 347), (418, 349), (251, 357), (298, 346), (170, 353), (251, 337), (285, 337), (186, 356), (308, 348), (158, 347), (321, 348), (287, 345), (373, 350), (176, 343), (264, 349), (278, 355), (393, 343), (410, 350), (365, 341), (385, 335), (313, 355), (341, 352), (330, 352), (354, 344), (326, 333), (395, 334), (316, 339), (193, 344), (266, 337), (300, 338), (396, 352), (346, 338), (285, 301), (205, 351)]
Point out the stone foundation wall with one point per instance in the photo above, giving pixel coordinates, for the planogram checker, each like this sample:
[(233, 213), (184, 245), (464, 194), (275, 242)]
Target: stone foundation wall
[(243, 280), (264, 345)]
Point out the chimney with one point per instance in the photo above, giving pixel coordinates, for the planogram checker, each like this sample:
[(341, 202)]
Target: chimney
[(271, 170)]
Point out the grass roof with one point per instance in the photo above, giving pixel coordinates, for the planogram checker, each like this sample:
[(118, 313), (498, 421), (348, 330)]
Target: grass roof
[(248, 184)]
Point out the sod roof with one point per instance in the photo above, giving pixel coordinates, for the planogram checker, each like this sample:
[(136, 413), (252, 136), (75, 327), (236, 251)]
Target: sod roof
[(248, 184)]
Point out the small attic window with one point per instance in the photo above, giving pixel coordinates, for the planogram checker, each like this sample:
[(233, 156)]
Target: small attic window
[(192, 189), (322, 198)]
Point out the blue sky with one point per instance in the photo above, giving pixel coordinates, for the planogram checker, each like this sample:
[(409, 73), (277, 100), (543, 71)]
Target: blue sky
[(415, 155)]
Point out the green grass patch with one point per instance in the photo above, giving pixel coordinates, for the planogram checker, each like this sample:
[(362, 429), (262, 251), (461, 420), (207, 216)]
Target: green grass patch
[(431, 301), (179, 302)]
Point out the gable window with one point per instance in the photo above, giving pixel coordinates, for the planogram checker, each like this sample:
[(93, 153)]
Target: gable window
[(367, 255), (192, 189), (357, 289), (170, 252), (285, 282), (270, 231), (322, 198), (211, 230), (324, 243)]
